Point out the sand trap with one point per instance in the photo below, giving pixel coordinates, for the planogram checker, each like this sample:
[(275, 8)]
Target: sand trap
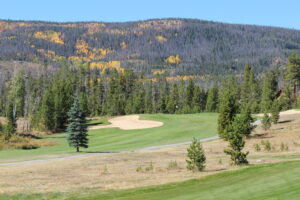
[(129, 122), (287, 112)]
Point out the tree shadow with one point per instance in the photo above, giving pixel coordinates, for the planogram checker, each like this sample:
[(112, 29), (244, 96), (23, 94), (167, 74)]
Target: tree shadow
[(94, 124), (262, 135), (29, 135), (285, 121)]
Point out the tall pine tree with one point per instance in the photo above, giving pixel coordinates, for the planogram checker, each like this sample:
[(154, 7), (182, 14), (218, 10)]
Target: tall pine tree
[(77, 129)]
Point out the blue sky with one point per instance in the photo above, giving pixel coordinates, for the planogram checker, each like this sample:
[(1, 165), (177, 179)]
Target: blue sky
[(281, 13)]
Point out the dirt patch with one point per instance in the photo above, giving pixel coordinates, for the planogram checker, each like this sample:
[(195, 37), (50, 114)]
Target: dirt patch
[(129, 122)]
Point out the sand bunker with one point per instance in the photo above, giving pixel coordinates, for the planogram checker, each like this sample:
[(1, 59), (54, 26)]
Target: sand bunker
[(129, 122), (287, 112)]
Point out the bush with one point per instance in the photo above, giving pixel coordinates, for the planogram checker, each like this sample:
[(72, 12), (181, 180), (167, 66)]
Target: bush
[(267, 145), (172, 165), (196, 158), (284, 147), (150, 167), (139, 169), (257, 147)]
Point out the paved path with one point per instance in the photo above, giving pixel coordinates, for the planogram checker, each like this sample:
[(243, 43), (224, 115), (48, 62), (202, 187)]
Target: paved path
[(90, 154)]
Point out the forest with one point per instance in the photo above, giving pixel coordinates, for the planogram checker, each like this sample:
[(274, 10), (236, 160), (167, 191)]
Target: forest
[(173, 47), (45, 100)]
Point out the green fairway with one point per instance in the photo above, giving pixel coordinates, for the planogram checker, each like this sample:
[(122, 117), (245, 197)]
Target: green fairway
[(280, 181), (176, 128)]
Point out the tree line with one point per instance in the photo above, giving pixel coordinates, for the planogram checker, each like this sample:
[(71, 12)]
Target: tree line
[(46, 99)]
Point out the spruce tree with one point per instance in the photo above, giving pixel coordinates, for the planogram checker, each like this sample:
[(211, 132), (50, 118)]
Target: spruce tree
[(228, 110), (266, 122), (189, 95), (212, 99), (173, 102), (237, 142), (196, 157), (77, 128), (269, 90), (247, 119), (292, 73), (275, 112)]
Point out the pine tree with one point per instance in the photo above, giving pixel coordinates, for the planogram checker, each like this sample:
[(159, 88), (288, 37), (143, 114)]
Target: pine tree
[(292, 73), (46, 113), (247, 120), (189, 94), (149, 99), (275, 112), (237, 142), (228, 110), (173, 102), (246, 92), (269, 90), (196, 157), (212, 99), (77, 128), (266, 122)]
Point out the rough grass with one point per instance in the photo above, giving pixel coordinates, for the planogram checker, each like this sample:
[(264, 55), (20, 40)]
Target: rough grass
[(260, 182), (176, 128)]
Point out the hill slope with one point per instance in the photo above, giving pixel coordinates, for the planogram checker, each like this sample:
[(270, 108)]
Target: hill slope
[(172, 46)]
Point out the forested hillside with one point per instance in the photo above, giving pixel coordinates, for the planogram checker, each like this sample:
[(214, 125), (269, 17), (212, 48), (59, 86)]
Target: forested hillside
[(168, 46)]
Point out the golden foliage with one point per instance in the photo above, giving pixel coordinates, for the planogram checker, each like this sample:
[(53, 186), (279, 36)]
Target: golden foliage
[(82, 47), (159, 72), (179, 78), (52, 36), (161, 38), (50, 54), (173, 59), (107, 65)]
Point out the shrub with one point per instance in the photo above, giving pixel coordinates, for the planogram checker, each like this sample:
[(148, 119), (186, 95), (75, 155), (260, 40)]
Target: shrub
[(267, 145), (150, 167), (284, 147), (172, 165), (139, 169), (257, 147), (196, 158)]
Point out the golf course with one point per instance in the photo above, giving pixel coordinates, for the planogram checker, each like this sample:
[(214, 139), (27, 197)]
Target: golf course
[(175, 129)]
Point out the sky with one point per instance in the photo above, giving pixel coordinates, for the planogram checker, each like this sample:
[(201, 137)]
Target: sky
[(280, 13)]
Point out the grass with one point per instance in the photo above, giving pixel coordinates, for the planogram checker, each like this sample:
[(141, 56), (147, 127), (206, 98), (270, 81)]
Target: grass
[(260, 182), (176, 128)]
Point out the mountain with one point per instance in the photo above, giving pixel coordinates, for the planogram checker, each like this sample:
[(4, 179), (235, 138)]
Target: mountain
[(170, 46)]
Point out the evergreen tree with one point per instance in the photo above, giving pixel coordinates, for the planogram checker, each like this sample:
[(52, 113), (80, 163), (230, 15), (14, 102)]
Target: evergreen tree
[(173, 102), (246, 122), (196, 157), (149, 99), (246, 92), (212, 99), (77, 128), (237, 142), (286, 100), (269, 90), (189, 94), (266, 122), (292, 73), (228, 110), (275, 112), (46, 113)]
